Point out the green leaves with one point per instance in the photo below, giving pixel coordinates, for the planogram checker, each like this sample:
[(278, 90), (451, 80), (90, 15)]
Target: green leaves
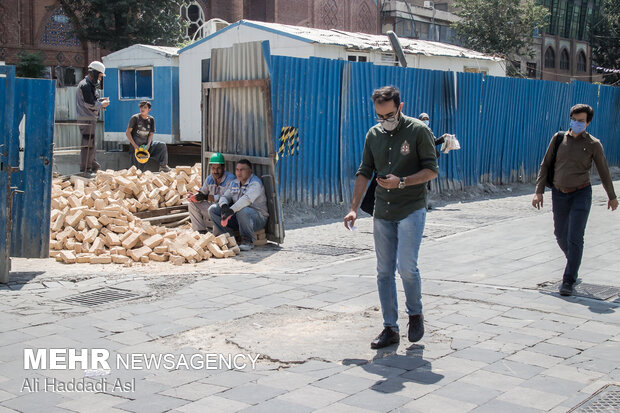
[(117, 24), (31, 64), (500, 27), (606, 40)]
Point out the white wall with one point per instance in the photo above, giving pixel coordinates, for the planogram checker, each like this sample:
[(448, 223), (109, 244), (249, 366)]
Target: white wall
[(136, 56)]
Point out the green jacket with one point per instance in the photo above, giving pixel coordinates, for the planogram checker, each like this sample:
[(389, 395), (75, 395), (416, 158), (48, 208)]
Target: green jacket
[(404, 151)]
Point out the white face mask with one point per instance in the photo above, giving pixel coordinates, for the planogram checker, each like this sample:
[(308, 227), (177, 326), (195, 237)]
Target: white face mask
[(391, 123)]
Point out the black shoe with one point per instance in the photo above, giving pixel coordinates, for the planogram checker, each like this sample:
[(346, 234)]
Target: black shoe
[(566, 289), (416, 327), (202, 231), (386, 338)]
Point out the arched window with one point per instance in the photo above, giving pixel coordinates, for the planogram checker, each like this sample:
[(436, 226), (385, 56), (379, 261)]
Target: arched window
[(58, 31), (195, 16), (564, 60), (581, 62), (550, 58)]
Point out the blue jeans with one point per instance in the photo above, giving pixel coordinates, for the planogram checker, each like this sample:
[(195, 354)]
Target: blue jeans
[(247, 221), (397, 244), (570, 216)]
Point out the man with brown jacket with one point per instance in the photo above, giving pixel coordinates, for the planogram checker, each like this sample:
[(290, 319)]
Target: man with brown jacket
[(571, 192)]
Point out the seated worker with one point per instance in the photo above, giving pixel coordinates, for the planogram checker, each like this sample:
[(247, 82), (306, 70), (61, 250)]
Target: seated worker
[(213, 187), (140, 133), (243, 206)]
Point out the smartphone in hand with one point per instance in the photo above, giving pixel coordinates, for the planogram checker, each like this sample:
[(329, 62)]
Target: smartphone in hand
[(381, 176)]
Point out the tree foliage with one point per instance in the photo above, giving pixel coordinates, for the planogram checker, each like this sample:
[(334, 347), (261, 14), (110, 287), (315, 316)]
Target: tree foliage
[(117, 24), (501, 27), (30, 64), (606, 40)]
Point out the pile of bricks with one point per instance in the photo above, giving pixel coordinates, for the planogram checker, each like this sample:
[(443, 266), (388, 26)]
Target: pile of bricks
[(92, 221)]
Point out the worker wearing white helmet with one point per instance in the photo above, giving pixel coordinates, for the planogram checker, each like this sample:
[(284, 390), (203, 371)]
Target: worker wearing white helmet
[(88, 105)]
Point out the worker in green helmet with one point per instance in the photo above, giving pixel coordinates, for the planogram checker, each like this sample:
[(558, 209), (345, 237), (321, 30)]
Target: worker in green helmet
[(214, 186)]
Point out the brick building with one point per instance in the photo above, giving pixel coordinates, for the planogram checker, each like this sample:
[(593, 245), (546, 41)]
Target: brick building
[(41, 25)]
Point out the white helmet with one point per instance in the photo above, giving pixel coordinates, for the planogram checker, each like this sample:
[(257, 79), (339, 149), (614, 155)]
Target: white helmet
[(98, 66)]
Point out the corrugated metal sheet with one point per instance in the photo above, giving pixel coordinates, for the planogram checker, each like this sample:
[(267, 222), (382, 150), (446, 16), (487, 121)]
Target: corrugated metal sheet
[(606, 123), (237, 116), (7, 85), (67, 134), (306, 97), (237, 122), (504, 125), (31, 102)]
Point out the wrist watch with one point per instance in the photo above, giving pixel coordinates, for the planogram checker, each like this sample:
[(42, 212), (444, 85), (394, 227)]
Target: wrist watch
[(401, 184)]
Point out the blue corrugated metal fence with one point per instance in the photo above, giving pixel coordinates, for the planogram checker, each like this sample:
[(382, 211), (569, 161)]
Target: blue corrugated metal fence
[(30, 101), (503, 124)]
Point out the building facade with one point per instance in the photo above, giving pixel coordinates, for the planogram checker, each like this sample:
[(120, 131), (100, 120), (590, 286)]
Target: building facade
[(565, 46), (351, 15), (42, 26)]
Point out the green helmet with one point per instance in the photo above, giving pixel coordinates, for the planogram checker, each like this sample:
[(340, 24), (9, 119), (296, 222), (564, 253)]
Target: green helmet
[(217, 158)]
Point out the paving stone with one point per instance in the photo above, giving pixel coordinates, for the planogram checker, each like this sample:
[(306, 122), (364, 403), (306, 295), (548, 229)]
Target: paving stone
[(130, 337), (491, 380), (93, 403), (277, 406), (4, 395), (375, 401), (164, 329), (572, 373), (532, 398), (535, 359), (607, 351), (515, 369), (312, 396), (478, 354), (342, 408), (374, 371), (194, 391), (553, 385), (497, 406), (344, 383), (583, 335), (154, 403), (231, 378), (118, 326), (318, 369), (286, 380), (434, 403), (467, 392), (555, 350), (401, 361), (251, 393), (41, 402), (404, 387)]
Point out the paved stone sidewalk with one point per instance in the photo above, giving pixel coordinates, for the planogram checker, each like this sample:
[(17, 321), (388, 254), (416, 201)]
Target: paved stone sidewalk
[(495, 342)]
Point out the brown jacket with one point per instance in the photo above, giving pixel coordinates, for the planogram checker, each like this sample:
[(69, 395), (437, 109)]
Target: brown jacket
[(573, 163)]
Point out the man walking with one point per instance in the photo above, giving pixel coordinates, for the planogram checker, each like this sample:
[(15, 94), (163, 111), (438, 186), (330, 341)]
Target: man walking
[(140, 132), (87, 106), (568, 161), (402, 151), (212, 189)]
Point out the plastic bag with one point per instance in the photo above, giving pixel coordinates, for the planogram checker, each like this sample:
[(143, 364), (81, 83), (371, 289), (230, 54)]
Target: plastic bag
[(450, 144)]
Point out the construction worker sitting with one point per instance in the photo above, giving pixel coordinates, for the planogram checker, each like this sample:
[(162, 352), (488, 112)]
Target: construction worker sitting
[(242, 207), (213, 187), (140, 134)]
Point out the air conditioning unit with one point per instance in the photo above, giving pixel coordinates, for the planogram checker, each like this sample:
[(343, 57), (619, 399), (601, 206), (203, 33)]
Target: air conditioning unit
[(429, 4)]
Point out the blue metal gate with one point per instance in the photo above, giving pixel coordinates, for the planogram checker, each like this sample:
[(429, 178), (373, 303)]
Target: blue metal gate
[(26, 136)]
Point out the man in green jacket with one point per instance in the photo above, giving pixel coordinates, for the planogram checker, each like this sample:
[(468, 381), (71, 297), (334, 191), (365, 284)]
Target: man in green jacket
[(402, 151)]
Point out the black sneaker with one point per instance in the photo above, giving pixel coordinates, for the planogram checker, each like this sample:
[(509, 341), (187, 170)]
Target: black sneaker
[(566, 289), (386, 338), (416, 327)]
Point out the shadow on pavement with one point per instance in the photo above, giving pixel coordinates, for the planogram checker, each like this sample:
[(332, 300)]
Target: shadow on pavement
[(386, 361)]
